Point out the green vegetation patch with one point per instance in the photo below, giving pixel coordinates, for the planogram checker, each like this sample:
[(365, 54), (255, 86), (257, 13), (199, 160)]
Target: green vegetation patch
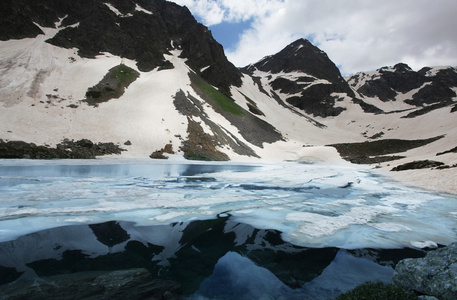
[(112, 86), (378, 291), (219, 101), (368, 152)]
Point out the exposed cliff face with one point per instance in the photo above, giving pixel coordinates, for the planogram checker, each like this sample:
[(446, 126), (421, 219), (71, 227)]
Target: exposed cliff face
[(422, 91), (316, 83), (135, 29)]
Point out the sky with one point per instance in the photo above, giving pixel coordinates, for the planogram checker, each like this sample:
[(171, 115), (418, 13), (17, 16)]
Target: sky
[(357, 35)]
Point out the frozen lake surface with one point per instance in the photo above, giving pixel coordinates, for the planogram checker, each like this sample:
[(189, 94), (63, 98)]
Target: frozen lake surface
[(313, 205), (294, 208)]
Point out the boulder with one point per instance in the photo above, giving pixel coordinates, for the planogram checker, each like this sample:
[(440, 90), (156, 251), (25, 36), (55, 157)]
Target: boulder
[(434, 275)]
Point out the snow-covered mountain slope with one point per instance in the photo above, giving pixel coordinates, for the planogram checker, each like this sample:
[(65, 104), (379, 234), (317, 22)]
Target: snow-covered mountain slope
[(147, 77)]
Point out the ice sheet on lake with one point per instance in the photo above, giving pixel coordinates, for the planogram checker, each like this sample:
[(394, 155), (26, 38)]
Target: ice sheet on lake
[(340, 205)]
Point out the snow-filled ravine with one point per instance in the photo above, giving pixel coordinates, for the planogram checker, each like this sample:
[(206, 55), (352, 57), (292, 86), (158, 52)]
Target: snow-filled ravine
[(334, 210)]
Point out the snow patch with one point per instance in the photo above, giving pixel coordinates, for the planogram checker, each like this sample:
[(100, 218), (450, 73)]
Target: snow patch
[(204, 68), (139, 8), (116, 11)]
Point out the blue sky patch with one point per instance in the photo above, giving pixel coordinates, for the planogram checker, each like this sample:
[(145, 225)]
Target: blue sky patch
[(228, 33)]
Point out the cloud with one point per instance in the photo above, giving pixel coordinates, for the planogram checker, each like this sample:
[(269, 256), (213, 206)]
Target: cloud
[(213, 12), (358, 35)]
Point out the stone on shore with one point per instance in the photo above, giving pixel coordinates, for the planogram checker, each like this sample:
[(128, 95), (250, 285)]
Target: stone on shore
[(434, 275)]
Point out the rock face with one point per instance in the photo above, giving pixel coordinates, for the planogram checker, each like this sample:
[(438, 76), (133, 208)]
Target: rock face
[(418, 164), (136, 29), (434, 275), (318, 81), (82, 149), (425, 90)]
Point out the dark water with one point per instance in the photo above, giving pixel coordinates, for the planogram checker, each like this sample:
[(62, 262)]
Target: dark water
[(211, 259)]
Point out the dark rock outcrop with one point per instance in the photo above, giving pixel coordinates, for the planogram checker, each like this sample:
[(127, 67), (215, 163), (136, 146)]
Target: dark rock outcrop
[(376, 151), (160, 154), (301, 56), (201, 145), (434, 89), (314, 97), (434, 275), (82, 149), (418, 164), (112, 86)]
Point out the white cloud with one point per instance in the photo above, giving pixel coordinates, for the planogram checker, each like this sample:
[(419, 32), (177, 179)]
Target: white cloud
[(358, 35), (213, 12)]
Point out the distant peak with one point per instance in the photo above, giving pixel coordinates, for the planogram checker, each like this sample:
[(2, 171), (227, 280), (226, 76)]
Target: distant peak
[(402, 67), (300, 42)]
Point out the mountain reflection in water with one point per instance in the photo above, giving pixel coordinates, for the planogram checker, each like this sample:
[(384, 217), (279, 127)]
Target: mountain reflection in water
[(214, 259)]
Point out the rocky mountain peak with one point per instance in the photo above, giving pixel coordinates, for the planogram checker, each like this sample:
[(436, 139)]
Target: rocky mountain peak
[(427, 89), (318, 81), (300, 56), (402, 68)]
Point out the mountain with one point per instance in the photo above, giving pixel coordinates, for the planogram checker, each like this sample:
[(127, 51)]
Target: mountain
[(144, 78), (304, 72), (418, 92), (139, 30)]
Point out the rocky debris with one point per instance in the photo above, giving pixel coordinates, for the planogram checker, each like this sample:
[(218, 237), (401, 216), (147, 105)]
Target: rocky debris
[(252, 106), (434, 275), (159, 154), (418, 164), (21, 149), (203, 144), (122, 284), (453, 150), (82, 149), (200, 145), (370, 152)]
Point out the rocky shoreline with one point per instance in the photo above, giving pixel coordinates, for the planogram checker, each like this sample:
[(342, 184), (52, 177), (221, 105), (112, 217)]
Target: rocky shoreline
[(81, 149)]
